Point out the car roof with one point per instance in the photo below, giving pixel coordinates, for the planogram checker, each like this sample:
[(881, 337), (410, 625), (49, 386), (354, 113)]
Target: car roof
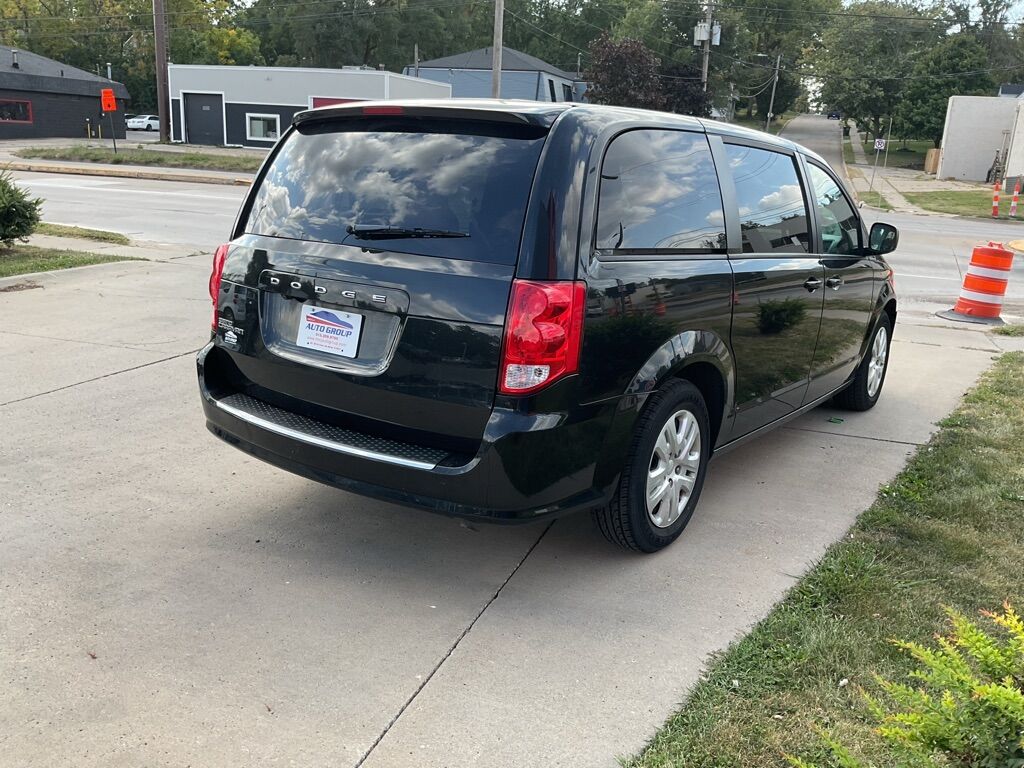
[(544, 113)]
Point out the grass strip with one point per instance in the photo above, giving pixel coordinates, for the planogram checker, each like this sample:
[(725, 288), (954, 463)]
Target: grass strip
[(967, 202), (82, 233), (195, 160), (1009, 330), (848, 157), (948, 531), (876, 199), (24, 259)]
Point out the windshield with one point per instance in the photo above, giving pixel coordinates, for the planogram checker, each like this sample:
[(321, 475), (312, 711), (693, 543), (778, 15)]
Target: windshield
[(330, 182)]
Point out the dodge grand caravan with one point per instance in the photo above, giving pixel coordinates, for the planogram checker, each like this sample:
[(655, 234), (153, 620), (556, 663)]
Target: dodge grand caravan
[(512, 310)]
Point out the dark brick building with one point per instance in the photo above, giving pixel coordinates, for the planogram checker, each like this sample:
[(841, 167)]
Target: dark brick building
[(40, 97)]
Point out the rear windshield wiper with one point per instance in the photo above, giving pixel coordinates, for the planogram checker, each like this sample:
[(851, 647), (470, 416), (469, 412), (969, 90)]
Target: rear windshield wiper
[(385, 233)]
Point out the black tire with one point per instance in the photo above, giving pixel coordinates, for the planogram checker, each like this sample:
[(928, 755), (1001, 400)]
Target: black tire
[(149, 128), (857, 396), (625, 521)]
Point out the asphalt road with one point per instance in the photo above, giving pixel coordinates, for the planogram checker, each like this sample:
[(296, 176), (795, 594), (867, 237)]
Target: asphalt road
[(195, 216), (934, 251)]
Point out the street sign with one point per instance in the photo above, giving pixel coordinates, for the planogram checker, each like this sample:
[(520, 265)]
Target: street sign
[(107, 100), (879, 144)]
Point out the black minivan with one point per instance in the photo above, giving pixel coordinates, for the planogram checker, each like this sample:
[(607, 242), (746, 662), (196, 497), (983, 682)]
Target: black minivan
[(513, 310)]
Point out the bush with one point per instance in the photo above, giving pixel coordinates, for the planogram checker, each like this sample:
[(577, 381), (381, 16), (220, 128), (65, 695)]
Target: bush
[(967, 712), (776, 316), (19, 213)]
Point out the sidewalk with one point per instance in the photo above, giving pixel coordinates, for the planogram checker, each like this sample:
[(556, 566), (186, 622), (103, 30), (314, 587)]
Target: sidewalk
[(892, 183)]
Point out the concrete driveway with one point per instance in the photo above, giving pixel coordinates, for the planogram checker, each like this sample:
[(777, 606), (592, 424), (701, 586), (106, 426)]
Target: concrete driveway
[(167, 601)]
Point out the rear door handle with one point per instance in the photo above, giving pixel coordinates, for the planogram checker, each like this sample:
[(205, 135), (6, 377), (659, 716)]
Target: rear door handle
[(834, 282), (812, 284)]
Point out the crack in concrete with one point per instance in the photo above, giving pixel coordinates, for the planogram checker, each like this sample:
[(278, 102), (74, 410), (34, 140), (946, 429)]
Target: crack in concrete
[(451, 650), (98, 378), (858, 437), (133, 347)]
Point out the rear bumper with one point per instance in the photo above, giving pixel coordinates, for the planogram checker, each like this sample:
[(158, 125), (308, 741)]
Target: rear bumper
[(529, 465)]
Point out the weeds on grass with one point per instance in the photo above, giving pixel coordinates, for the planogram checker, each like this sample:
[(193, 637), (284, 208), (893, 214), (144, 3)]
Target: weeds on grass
[(964, 706)]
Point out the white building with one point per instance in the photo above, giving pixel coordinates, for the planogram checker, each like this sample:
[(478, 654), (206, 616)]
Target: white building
[(977, 129), (252, 106)]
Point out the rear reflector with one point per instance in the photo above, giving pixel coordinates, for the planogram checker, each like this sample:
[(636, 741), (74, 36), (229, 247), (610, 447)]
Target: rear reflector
[(543, 332), (382, 110), (219, 257)]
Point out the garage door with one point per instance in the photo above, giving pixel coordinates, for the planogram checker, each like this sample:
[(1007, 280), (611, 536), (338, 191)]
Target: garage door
[(204, 118)]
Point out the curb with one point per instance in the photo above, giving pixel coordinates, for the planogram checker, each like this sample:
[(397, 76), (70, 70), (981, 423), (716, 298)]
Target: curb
[(126, 173)]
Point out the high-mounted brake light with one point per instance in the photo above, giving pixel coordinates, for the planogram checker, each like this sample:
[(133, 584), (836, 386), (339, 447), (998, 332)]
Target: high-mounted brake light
[(383, 110), (543, 332), (219, 257)]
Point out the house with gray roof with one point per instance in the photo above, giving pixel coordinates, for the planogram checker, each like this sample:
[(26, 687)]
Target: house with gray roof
[(40, 97), (522, 76)]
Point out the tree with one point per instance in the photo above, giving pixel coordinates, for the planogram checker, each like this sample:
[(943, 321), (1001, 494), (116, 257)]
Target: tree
[(922, 109), (624, 73), (682, 91), (864, 60)]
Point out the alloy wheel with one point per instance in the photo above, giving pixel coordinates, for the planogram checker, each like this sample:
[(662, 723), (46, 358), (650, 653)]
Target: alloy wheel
[(675, 462), (876, 363)]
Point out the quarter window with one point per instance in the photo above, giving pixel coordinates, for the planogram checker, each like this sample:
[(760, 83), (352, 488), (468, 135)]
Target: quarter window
[(15, 112), (659, 191), (840, 229), (263, 127), (773, 214)]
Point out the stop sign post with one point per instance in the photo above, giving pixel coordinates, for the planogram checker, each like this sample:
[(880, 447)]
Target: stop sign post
[(108, 103)]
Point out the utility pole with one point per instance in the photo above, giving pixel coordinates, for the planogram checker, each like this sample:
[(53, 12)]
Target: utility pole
[(499, 20), (771, 102), (416, 58), (707, 51), (160, 40)]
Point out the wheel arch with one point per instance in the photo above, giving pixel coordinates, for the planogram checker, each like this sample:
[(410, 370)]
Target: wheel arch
[(701, 357)]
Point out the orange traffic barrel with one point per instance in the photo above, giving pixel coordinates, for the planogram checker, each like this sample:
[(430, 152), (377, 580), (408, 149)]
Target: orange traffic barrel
[(981, 297)]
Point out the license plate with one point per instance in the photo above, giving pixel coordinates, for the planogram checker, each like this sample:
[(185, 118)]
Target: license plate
[(329, 330)]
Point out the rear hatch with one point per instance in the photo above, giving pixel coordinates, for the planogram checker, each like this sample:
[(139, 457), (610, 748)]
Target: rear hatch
[(368, 282)]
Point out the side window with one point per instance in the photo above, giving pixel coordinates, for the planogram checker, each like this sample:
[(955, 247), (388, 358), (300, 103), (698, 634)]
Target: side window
[(773, 214), (659, 190), (551, 89), (840, 229)]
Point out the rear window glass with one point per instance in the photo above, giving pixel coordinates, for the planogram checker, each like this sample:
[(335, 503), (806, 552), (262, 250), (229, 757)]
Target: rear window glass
[(659, 191), (472, 179)]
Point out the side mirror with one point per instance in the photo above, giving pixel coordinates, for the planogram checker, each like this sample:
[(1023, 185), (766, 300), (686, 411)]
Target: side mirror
[(883, 238)]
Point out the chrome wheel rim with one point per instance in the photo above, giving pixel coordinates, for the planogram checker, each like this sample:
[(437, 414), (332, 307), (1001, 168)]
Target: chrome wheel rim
[(672, 471), (876, 363)]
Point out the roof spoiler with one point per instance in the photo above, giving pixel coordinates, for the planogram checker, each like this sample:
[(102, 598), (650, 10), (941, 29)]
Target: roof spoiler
[(376, 109)]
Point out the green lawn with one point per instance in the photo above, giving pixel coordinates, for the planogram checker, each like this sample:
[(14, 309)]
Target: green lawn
[(848, 152), (876, 199), (196, 160), (1009, 330), (912, 156), (82, 233), (23, 259), (948, 531), (962, 203)]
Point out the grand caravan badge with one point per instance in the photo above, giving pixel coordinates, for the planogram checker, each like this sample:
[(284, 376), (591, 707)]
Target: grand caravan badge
[(329, 330)]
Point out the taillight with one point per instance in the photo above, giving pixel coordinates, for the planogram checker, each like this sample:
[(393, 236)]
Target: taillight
[(543, 332), (219, 257), (383, 110)]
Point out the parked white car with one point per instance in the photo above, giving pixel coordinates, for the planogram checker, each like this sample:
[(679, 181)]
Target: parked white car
[(144, 123)]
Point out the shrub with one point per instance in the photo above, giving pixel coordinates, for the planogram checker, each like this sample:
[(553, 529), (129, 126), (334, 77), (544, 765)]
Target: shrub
[(967, 710), (19, 213), (776, 316)]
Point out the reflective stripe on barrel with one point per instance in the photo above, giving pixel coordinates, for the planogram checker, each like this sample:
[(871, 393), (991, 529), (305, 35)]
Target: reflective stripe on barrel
[(985, 282)]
